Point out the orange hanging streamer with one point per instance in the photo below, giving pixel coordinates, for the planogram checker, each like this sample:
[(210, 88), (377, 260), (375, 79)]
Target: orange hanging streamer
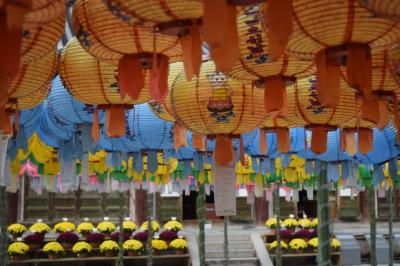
[(359, 68), (343, 143), (283, 139), (199, 141), (180, 137), (10, 46), (319, 139), (130, 76), (220, 32), (191, 46), (115, 121), (224, 153), (279, 18), (263, 141), (96, 126), (348, 142), (384, 113), (16, 11), (365, 140), (370, 109), (328, 80), (5, 122), (274, 94)]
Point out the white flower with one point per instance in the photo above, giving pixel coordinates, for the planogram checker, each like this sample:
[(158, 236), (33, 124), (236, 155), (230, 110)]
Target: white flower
[(106, 218), (173, 218), (127, 218), (291, 216), (39, 220), (86, 219), (65, 219)]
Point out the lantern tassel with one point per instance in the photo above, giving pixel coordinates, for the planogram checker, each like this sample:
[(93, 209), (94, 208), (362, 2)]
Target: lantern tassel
[(115, 121), (274, 94), (242, 158), (224, 153), (328, 81), (263, 141), (365, 140), (383, 114), (279, 18), (192, 56), (199, 141), (10, 57), (370, 109), (180, 136), (359, 69), (283, 139), (343, 143), (348, 142), (319, 139), (5, 122), (220, 33), (16, 11), (96, 126), (131, 78)]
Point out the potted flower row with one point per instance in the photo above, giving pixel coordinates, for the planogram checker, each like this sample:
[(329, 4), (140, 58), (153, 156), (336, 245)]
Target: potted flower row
[(299, 245), (291, 224)]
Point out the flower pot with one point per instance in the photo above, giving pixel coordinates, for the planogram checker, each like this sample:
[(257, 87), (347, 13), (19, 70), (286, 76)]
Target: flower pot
[(67, 245), (18, 257), (109, 254), (134, 253), (53, 256), (179, 251), (95, 245), (34, 246), (82, 255), (157, 252)]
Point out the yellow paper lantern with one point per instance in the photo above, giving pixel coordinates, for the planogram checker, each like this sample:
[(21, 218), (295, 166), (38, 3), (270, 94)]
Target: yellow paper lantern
[(216, 105), (44, 11), (383, 8), (94, 82)]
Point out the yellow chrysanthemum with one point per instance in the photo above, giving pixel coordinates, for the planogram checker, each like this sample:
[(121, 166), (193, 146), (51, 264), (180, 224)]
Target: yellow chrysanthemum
[(335, 243), (53, 248), (159, 244), (297, 244), (17, 248), (179, 243), (132, 245), (85, 228), (173, 226), (155, 226), (109, 245), (81, 247), (40, 228), (313, 242), (64, 227), (290, 223), (129, 226), (304, 223), (106, 227), (275, 243), (16, 229), (271, 223), (314, 223)]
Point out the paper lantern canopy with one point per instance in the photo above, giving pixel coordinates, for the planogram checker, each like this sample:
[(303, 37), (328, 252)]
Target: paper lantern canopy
[(216, 105)]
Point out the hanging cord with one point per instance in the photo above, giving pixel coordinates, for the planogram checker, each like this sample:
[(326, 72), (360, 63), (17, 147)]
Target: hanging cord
[(371, 201), (201, 216)]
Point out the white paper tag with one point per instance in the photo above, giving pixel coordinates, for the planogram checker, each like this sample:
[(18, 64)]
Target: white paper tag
[(3, 154), (225, 190)]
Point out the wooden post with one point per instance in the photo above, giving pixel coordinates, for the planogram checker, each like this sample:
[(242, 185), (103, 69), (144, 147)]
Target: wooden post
[(201, 216), (140, 205), (372, 213), (261, 209), (277, 212), (390, 218), (324, 258)]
